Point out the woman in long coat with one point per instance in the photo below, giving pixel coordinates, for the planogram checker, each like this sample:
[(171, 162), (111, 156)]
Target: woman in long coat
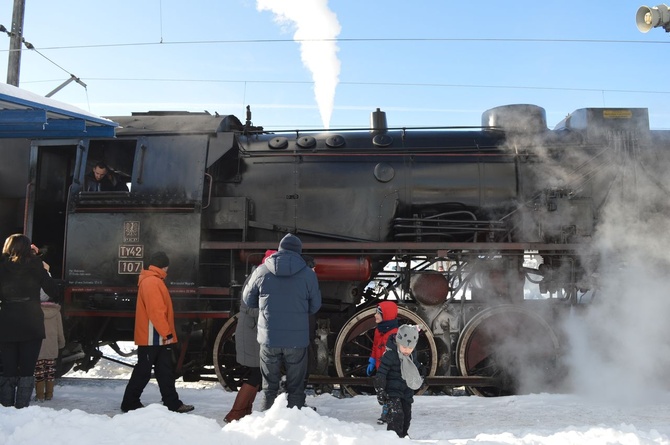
[(22, 275), (247, 354)]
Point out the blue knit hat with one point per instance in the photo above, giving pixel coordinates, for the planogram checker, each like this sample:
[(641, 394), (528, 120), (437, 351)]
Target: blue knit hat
[(291, 242)]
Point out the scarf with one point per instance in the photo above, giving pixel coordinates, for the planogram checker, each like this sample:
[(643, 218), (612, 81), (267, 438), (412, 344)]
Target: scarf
[(387, 325), (409, 372)]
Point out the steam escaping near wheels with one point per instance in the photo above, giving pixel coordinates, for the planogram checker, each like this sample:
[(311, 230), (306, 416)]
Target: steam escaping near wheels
[(512, 343)]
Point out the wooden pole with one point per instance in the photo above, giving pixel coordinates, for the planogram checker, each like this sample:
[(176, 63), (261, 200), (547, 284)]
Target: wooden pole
[(15, 42)]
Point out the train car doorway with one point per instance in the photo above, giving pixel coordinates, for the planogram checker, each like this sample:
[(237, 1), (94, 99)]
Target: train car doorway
[(51, 171)]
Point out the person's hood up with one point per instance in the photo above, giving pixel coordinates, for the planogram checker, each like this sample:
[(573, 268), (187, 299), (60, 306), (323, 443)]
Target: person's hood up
[(285, 263), (389, 310), (152, 271)]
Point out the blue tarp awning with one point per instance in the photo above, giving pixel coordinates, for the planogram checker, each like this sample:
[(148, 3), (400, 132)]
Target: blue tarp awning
[(27, 115)]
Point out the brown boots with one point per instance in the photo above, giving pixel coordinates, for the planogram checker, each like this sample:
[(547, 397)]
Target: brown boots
[(39, 390), (243, 403), (44, 390), (49, 390)]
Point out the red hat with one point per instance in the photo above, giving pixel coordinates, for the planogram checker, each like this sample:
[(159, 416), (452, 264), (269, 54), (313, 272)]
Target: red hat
[(268, 253)]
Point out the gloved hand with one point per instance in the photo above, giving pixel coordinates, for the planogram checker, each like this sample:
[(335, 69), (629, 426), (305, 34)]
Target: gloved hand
[(382, 397), (371, 366)]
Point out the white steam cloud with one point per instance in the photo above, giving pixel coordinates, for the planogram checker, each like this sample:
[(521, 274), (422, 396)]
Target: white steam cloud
[(618, 342), (621, 346), (313, 22)]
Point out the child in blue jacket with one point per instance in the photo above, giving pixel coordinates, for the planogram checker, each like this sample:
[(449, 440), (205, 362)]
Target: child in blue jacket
[(398, 377)]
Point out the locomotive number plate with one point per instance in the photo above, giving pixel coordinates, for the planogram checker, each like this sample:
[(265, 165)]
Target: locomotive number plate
[(131, 251), (130, 267)]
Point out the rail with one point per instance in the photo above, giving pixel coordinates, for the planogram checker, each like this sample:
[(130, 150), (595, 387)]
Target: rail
[(430, 381)]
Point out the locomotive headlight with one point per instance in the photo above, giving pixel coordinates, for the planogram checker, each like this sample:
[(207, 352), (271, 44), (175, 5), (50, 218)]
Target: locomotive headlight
[(647, 18)]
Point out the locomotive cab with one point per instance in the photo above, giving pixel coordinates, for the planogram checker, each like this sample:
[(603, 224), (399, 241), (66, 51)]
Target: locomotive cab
[(109, 235)]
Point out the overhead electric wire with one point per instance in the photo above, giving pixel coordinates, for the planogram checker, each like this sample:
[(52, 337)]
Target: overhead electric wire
[(347, 40), (344, 40), (31, 47), (401, 84), (358, 40), (382, 84)]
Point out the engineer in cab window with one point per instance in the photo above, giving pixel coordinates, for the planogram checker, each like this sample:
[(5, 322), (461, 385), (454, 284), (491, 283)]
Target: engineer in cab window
[(103, 179)]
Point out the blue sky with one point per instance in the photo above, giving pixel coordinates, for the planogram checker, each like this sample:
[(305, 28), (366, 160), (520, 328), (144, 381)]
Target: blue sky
[(426, 63)]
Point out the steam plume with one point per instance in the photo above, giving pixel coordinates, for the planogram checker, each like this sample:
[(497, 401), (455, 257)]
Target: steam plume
[(312, 21)]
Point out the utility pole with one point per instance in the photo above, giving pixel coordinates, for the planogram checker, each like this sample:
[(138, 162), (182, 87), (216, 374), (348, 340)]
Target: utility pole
[(15, 42)]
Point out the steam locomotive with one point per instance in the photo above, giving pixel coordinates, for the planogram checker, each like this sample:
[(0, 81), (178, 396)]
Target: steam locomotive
[(481, 234)]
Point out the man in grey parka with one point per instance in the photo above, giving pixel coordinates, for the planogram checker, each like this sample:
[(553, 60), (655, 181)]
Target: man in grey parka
[(286, 291)]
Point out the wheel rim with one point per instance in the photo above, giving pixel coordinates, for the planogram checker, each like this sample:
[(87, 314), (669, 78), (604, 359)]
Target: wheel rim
[(354, 345), (228, 371), (511, 343)]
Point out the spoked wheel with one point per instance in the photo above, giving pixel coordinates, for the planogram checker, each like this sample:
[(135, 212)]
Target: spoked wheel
[(354, 345), (512, 343), (229, 372)]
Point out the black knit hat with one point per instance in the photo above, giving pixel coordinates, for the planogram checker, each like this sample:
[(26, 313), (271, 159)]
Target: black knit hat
[(159, 259)]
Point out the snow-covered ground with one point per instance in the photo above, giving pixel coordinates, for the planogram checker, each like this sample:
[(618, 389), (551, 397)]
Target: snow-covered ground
[(86, 411)]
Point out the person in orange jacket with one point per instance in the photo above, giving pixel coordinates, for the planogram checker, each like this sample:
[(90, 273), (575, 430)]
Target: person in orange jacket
[(155, 335)]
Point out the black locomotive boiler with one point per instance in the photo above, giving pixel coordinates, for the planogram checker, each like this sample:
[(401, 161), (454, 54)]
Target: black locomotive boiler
[(480, 234)]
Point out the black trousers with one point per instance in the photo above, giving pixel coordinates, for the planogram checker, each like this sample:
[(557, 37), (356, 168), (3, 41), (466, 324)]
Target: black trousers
[(399, 415), (160, 359), (19, 357), (255, 378)]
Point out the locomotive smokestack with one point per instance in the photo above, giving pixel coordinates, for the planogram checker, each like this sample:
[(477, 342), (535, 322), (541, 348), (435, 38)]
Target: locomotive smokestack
[(378, 122)]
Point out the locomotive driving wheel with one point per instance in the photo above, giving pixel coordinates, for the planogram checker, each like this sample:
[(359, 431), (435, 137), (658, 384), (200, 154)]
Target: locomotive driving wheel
[(511, 343), (354, 345), (228, 371)]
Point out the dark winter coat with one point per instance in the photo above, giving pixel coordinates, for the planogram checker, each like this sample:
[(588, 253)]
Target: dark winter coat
[(287, 292), (21, 316), (388, 375)]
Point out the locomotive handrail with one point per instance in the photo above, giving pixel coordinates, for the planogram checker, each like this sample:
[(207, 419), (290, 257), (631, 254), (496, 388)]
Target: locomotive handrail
[(367, 129), (209, 194), (78, 164), (26, 208), (143, 151), (440, 247)]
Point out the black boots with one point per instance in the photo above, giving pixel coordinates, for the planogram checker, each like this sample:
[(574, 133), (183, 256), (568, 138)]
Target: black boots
[(16, 391), (24, 391), (7, 390)]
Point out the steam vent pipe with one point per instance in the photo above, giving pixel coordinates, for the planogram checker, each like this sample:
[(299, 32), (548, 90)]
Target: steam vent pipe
[(378, 122)]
